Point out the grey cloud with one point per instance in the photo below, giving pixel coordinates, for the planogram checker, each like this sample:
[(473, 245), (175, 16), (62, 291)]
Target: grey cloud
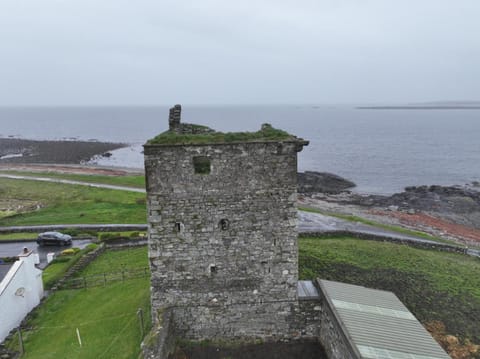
[(58, 52)]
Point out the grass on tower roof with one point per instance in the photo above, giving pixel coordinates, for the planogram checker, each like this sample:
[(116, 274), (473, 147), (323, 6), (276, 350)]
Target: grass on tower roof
[(266, 133)]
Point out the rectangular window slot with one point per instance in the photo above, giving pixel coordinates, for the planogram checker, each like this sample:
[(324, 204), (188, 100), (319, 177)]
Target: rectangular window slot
[(201, 164), (178, 227)]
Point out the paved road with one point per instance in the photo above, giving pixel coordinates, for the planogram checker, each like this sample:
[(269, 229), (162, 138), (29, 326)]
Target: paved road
[(64, 181), (316, 222), (15, 248)]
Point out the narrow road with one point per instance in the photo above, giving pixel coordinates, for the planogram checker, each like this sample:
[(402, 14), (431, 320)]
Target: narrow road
[(316, 222), (65, 181), (15, 248)]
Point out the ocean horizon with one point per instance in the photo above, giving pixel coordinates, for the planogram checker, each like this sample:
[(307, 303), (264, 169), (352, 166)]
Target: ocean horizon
[(382, 151)]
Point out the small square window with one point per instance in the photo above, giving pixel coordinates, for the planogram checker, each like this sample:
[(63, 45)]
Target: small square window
[(201, 164)]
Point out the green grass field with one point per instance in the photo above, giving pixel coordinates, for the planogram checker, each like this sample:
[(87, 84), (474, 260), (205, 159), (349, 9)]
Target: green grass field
[(433, 285), (136, 181), (106, 317), (115, 261), (67, 204)]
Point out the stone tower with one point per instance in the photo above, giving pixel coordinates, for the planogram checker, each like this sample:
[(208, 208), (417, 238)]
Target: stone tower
[(222, 229)]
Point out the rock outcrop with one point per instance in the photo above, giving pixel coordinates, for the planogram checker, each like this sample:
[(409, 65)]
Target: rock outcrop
[(322, 182)]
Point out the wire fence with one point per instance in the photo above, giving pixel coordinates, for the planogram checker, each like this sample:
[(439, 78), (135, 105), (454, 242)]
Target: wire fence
[(113, 336), (103, 279)]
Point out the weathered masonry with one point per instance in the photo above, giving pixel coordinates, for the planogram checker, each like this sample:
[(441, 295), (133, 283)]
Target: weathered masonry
[(224, 257), (222, 230)]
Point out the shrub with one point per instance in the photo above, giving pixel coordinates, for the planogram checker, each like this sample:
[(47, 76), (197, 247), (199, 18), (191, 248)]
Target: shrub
[(109, 236), (72, 232), (141, 201), (67, 252), (70, 251)]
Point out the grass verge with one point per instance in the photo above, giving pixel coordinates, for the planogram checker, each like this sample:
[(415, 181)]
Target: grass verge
[(106, 317), (18, 236), (67, 204), (434, 285), (135, 181)]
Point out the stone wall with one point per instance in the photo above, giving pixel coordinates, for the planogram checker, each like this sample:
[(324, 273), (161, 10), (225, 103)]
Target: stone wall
[(222, 239), (161, 341), (331, 334)]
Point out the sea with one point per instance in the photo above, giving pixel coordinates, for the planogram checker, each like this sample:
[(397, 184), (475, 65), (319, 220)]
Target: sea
[(381, 150)]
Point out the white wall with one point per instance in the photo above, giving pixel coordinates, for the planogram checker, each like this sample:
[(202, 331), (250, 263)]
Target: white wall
[(16, 303)]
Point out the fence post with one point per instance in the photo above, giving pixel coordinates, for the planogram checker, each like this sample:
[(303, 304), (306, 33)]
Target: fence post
[(20, 342), (123, 275), (85, 282), (104, 279), (140, 316)]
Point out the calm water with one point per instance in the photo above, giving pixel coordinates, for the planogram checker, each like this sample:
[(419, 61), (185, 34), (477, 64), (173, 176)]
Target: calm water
[(380, 150)]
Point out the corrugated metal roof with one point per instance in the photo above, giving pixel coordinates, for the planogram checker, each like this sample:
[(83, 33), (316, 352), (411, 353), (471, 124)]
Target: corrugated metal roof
[(379, 325)]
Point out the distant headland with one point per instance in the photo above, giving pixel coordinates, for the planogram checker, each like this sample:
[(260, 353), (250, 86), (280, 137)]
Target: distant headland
[(440, 105)]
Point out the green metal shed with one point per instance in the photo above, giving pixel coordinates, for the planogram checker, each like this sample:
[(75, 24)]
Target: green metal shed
[(378, 324)]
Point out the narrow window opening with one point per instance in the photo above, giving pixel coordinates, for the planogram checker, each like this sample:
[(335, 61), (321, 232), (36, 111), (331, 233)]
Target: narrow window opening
[(224, 224), (213, 269), (268, 269), (178, 227), (201, 165), (274, 241), (279, 149)]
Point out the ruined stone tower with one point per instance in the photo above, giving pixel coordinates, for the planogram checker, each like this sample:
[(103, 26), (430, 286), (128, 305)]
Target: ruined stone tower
[(222, 229)]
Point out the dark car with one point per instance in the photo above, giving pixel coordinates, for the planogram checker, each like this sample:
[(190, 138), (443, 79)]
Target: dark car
[(54, 238)]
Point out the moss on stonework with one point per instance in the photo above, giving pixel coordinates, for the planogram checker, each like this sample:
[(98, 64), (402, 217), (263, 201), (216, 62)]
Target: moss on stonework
[(266, 133)]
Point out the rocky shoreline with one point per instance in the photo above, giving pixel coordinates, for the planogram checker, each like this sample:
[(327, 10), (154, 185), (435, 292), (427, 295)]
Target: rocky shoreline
[(451, 212), (15, 150)]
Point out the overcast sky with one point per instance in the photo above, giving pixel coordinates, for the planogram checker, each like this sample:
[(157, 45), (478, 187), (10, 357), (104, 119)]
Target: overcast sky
[(124, 52)]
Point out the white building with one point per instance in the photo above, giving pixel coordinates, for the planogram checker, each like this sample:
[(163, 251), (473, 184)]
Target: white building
[(20, 291)]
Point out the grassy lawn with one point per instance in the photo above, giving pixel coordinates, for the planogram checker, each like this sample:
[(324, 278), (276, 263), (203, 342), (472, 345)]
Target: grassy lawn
[(106, 317), (18, 236), (388, 227), (136, 181), (433, 285), (68, 204), (115, 261)]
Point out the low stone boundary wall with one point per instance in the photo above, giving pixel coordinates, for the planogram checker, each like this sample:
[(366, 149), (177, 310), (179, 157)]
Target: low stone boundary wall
[(82, 263), (379, 238), (332, 334), (161, 341), (85, 227), (125, 243)]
